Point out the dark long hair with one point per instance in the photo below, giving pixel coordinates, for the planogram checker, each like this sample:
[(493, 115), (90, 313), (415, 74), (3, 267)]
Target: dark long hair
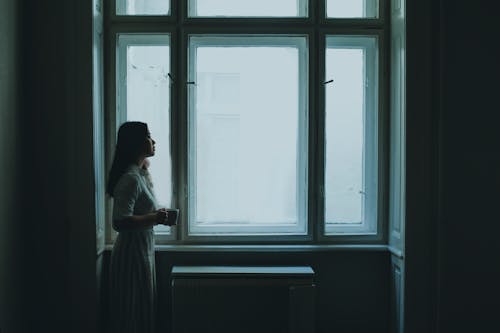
[(132, 136)]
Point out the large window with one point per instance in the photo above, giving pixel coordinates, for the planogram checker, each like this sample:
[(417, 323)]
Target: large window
[(268, 115)]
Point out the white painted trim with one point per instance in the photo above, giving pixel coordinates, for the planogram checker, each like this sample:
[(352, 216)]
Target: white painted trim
[(268, 248)]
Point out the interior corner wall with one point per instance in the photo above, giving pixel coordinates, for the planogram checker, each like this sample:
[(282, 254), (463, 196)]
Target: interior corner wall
[(83, 267), (469, 270), (419, 280), (11, 268)]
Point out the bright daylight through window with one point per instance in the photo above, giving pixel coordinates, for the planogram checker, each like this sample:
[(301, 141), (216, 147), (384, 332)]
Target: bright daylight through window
[(267, 116), (248, 177)]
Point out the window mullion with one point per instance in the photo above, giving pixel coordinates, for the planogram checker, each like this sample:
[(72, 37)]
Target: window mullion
[(320, 116), (182, 125), (176, 128)]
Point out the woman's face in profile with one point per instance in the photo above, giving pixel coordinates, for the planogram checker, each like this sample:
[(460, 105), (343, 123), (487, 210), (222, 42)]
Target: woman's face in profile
[(149, 146)]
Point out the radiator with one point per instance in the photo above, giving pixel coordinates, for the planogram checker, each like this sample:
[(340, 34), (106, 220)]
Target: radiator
[(240, 299)]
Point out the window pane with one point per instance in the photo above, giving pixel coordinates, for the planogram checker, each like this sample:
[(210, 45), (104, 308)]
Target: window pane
[(350, 131), (246, 111), (255, 8), (142, 7), (352, 8), (144, 95)]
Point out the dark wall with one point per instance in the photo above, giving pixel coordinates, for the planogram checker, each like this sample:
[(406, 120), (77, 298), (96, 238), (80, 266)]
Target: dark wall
[(11, 238), (421, 166), (469, 255), (50, 234), (43, 164), (352, 287)]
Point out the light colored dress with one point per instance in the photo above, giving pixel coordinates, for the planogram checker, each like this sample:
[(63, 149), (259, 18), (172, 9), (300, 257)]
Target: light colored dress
[(132, 270)]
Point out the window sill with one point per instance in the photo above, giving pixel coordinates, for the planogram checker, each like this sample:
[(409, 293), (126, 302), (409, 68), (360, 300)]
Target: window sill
[(395, 252), (272, 248)]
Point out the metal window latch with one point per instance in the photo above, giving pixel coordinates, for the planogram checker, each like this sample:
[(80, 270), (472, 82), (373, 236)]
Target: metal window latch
[(173, 81), (327, 82)]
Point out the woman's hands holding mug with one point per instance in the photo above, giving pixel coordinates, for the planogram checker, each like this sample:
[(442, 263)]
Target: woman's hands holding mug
[(162, 216), (167, 217)]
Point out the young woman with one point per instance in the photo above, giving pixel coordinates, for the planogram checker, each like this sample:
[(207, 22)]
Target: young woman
[(135, 212)]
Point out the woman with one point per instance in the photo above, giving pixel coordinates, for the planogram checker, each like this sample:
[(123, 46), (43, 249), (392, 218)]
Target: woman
[(135, 212)]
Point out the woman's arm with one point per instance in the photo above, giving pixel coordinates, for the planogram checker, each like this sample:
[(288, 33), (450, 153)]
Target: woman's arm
[(141, 221)]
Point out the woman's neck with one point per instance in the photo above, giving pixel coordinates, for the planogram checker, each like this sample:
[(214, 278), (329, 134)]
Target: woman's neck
[(140, 162)]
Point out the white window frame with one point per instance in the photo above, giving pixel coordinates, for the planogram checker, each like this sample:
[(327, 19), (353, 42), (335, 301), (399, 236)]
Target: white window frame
[(368, 225), (316, 26), (123, 41), (224, 230)]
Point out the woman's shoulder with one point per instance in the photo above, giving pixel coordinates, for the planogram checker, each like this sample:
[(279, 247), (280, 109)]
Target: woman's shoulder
[(129, 175), (129, 179), (133, 172)]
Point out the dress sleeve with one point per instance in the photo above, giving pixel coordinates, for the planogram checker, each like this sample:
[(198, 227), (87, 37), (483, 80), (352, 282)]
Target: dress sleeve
[(126, 192)]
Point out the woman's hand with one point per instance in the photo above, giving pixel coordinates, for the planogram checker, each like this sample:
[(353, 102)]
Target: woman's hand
[(162, 216)]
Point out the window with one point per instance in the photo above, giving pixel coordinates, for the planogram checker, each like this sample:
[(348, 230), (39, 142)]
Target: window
[(142, 7), (244, 177), (143, 94), (352, 8), (268, 115), (245, 8), (350, 135)]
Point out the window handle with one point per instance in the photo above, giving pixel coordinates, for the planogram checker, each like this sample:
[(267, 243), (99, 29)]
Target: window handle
[(327, 82)]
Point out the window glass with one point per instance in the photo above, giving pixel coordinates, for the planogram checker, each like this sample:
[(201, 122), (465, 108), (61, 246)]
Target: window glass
[(350, 132), (142, 7), (247, 134), (245, 8), (144, 95), (352, 8), (242, 150)]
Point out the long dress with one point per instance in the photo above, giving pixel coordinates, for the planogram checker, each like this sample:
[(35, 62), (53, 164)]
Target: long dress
[(132, 269)]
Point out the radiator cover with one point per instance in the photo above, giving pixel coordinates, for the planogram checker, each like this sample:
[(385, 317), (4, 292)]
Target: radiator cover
[(243, 299)]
